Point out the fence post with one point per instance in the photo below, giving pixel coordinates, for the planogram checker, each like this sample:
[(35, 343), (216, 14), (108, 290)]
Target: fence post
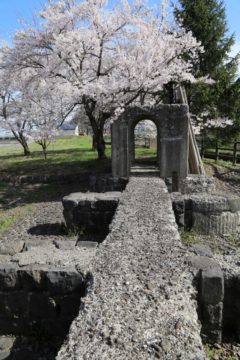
[(235, 153)]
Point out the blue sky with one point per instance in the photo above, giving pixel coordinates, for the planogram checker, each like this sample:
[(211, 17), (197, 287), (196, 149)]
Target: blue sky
[(12, 11)]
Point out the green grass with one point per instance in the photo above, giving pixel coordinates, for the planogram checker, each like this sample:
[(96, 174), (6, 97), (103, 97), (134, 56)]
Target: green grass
[(65, 155), (69, 154), (144, 153), (214, 353), (188, 236), (9, 217), (222, 163)]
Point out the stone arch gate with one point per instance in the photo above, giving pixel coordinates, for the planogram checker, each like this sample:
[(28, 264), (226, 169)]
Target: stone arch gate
[(172, 122)]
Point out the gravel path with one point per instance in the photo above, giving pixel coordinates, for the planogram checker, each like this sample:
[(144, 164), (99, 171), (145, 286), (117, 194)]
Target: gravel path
[(141, 305)]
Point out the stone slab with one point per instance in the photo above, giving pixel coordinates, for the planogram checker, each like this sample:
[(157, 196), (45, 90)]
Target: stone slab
[(201, 262), (11, 247), (65, 244), (202, 250)]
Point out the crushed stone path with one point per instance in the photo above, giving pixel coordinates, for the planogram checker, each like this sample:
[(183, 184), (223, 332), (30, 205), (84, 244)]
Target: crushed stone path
[(142, 304)]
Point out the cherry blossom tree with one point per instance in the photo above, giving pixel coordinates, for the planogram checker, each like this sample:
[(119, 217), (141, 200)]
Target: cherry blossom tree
[(11, 108), (146, 129), (107, 57), (46, 109)]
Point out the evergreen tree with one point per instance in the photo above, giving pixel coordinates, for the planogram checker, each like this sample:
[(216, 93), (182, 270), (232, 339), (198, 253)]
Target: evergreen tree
[(207, 21)]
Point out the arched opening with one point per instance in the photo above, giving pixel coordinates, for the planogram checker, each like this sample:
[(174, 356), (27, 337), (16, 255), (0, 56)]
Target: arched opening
[(145, 143), (171, 122)]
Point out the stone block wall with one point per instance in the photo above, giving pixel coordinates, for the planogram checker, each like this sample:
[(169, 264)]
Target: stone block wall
[(197, 184), (39, 299), (207, 214), (90, 212), (106, 182)]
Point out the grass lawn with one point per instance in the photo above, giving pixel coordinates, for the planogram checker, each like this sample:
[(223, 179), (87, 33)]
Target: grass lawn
[(65, 155), (222, 163), (145, 154)]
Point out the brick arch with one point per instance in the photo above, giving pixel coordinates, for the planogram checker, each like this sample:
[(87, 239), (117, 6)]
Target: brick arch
[(172, 123)]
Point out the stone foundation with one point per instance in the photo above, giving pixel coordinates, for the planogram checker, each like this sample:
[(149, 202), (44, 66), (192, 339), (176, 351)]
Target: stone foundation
[(90, 212), (141, 304), (39, 299), (207, 214), (197, 184)]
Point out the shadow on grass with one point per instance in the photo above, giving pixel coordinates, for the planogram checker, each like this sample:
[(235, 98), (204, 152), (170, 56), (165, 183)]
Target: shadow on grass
[(39, 167), (146, 161), (39, 154), (12, 195)]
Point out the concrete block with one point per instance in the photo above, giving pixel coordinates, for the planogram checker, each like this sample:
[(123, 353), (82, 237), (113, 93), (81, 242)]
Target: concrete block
[(212, 286)]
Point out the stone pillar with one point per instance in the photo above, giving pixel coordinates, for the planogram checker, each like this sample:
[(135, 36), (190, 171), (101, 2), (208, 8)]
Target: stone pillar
[(173, 149), (120, 150), (211, 302)]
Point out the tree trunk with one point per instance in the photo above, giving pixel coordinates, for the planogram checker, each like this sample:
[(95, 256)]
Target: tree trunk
[(94, 143), (99, 143), (97, 124), (43, 144), (24, 144), (44, 152), (26, 150)]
